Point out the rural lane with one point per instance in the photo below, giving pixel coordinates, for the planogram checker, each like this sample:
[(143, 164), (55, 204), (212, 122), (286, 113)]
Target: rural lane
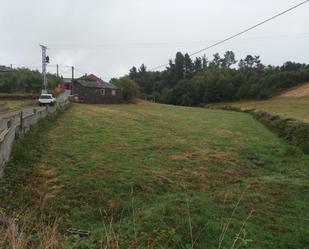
[(29, 110)]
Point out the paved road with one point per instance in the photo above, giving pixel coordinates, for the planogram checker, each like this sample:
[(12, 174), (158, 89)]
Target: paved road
[(63, 96)]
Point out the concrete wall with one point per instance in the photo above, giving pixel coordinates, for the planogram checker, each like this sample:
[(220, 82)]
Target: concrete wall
[(19, 123)]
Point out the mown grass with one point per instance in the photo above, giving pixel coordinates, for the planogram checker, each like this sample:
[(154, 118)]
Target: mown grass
[(294, 107), (158, 176)]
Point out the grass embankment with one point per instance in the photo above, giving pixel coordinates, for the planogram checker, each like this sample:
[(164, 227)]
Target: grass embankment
[(291, 103), (286, 106), (158, 176)]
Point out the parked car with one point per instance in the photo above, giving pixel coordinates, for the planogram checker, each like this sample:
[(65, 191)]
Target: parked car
[(47, 99)]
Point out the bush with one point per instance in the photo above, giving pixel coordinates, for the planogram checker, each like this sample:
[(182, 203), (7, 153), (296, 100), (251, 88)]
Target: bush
[(130, 88), (24, 80), (293, 131)]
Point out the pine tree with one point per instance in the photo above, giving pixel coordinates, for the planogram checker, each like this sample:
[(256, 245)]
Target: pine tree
[(188, 67)]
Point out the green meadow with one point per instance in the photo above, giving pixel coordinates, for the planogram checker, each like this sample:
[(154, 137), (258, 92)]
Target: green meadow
[(159, 176)]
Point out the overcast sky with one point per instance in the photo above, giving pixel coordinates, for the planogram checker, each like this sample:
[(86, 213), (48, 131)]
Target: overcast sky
[(108, 37)]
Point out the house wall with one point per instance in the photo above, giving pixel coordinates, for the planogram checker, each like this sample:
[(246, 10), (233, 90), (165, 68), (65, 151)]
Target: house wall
[(93, 95), (65, 85)]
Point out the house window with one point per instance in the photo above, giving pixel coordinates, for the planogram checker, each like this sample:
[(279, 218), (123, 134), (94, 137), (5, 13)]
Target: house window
[(102, 92), (114, 92)]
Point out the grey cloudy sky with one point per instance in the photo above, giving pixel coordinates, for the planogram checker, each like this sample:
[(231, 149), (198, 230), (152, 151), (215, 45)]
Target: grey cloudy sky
[(108, 37)]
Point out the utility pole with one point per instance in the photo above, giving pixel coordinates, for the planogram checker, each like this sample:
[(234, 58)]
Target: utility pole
[(45, 60), (72, 84), (57, 70)]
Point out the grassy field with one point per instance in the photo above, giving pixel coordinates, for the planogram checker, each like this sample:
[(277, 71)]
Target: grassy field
[(159, 176), (286, 106), (17, 104), (292, 103)]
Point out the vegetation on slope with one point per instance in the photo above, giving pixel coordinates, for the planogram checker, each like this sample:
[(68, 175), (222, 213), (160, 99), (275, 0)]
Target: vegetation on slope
[(23, 80), (192, 83), (158, 176), (293, 107)]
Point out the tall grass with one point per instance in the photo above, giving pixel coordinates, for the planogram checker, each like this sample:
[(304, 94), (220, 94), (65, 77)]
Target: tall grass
[(30, 232), (33, 231)]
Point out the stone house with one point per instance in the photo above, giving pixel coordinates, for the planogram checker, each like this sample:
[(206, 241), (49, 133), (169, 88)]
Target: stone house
[(93, 90)]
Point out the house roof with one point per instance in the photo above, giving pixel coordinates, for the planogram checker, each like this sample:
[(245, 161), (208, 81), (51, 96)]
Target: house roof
[(66, 80), (5, 69), (96, 84), (93, 77)]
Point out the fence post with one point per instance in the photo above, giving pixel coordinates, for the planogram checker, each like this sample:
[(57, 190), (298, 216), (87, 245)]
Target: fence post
[(9, 124), (21, 122)]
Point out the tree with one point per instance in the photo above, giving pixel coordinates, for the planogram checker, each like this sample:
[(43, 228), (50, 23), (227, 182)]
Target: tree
[(25, 80), (197, 65), (228, 60), (251, 62), (204, 62), (216, 62), (133, 74), (130, 88), (184, 82), (179, 66), (188, 66), (142, 69)]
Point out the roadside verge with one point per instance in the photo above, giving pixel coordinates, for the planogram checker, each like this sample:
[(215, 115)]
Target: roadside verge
[(15, 125)]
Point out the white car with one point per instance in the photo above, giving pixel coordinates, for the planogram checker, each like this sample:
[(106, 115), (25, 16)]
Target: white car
[(47, 99)]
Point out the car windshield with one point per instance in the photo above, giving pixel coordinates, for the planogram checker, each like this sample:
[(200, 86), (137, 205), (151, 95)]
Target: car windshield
[(45, 97)]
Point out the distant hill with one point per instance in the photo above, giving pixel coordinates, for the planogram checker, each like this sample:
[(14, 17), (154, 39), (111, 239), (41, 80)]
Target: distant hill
[(298, 91)]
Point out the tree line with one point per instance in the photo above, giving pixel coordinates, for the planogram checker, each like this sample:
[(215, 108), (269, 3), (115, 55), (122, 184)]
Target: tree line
[(24, 80), (200, 81)]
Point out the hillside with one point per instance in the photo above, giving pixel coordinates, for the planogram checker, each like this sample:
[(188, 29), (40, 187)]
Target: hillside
[(292, 103), (299, 91), (159, 176)]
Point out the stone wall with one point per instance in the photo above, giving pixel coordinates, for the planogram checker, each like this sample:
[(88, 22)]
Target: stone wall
[(18, 123), (94, 95)]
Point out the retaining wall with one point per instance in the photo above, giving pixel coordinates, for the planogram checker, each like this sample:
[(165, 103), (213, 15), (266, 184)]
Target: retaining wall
[(16, 124)]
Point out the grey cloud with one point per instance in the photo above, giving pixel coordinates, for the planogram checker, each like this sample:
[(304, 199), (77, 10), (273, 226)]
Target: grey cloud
[(108, 37)]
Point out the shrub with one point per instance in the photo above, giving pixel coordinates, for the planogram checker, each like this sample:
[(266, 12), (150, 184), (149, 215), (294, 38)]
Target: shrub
[(293, 131), (130, 88)]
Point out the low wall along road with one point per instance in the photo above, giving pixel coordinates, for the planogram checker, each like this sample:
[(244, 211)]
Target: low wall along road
[(15, 124)]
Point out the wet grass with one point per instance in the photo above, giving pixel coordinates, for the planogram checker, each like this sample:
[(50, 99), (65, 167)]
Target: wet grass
[(158, 176)]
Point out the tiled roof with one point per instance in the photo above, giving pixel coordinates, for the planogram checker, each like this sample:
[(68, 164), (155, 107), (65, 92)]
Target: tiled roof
[(67, 80), (96, 84)]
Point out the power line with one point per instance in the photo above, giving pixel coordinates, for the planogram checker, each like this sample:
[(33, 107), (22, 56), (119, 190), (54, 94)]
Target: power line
[(240, 33), (165, 43)]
